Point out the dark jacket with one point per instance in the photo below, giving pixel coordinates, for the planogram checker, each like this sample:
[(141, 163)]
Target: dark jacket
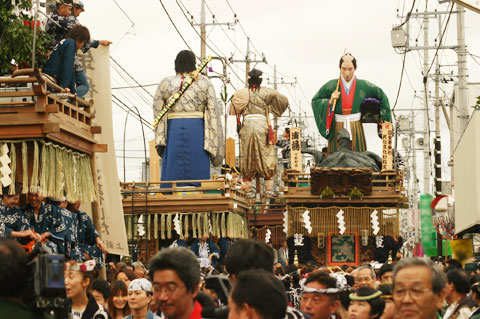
[(60, 64)]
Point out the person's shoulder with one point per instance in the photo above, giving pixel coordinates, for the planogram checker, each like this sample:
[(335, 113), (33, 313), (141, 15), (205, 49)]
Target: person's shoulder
[(293, 313), (366, 83)]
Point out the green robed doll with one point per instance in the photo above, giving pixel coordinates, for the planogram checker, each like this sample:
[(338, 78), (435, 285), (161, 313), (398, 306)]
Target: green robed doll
[(331, 117)]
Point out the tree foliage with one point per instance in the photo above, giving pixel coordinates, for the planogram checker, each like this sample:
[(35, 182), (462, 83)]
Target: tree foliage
[(16, 37)]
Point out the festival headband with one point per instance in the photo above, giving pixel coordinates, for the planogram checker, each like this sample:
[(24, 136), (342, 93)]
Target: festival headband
[(88, 265), (235, 170), (353, 296), (321, 291), (387, 297)]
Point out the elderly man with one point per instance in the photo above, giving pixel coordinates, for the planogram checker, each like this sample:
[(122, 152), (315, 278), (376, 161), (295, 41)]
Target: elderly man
[(320, 295), (365, 277), (418, 288), (175, 275), (460, 305)]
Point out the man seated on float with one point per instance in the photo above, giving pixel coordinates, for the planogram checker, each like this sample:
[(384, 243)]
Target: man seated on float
[(205, 249), (12, 222), (46, 220), (89, 240), (346, 113)]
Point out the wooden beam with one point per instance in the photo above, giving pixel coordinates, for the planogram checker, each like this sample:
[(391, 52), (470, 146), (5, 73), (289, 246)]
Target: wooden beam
[(100, 148), (17, 93), (29, 79), (96, 129), (51, 128)]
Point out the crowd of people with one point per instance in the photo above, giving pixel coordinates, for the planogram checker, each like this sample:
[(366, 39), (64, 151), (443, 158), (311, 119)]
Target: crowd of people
[(172, 286), (61, 225)]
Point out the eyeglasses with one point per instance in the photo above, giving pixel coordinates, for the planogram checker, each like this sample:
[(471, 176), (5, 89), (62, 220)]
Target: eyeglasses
[(169, 288), (415, 293)]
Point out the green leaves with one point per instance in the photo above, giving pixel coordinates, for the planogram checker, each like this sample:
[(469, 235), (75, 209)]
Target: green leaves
[(16, 38)]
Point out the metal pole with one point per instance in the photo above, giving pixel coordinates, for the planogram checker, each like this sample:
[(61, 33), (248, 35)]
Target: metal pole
[(35, 32)]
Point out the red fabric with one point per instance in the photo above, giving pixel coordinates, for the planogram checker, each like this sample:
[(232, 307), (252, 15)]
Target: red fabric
[(347, 100), (197, 311)]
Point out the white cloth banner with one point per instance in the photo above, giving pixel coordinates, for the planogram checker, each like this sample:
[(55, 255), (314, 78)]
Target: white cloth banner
[(97, 68)]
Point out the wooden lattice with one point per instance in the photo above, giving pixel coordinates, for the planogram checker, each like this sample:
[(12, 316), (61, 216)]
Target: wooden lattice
[(341, 180)]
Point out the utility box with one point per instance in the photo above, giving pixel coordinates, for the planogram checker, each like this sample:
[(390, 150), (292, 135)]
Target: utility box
[(399, 38)]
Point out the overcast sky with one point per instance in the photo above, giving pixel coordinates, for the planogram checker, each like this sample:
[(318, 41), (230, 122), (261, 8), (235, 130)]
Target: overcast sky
[(303, 38)]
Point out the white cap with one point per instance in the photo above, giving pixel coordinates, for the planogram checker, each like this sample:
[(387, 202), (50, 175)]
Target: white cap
[(140, 284)]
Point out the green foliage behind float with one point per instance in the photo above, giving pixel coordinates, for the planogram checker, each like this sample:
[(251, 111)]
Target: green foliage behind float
[(16, 37)]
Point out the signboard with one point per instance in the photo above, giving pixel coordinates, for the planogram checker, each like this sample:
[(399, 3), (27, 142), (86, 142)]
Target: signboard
[(343, 249), (295, 149), (387, 150)]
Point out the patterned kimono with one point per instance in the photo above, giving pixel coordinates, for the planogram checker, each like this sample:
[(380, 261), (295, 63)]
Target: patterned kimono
[(256, 156), (11, 219), (190, 135), (72, 250), (50, 220), (347, 111), (87, 235)]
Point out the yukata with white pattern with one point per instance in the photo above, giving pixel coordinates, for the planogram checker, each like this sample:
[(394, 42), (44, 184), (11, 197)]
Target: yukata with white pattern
[(49, 219)]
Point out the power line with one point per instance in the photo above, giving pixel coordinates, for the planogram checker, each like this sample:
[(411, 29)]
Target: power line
[(134, 86), (178, 31), (121, 67)]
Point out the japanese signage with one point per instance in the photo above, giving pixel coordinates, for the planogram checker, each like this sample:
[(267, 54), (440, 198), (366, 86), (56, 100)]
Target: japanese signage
[(97, 68), (295, 149), (387, 150)]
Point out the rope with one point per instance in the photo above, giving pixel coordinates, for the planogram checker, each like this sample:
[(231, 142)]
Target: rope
[(13, 158)]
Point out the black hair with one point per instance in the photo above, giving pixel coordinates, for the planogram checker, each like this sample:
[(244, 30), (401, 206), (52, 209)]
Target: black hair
[(13, 268), (254, 78), (79, 32), (459, 279), (350, 280), (384, 269), (287, 129), (323, 278), (247, 254), (344, 297), (180, 260), (377, 304), (102, 287), (354, 61), (263, 292), (386, 289), (185, 62)]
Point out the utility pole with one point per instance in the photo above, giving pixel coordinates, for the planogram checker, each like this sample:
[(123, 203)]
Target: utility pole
[(462, 70), (203, 32), (426, 124), (203, 29), (248, 61)]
